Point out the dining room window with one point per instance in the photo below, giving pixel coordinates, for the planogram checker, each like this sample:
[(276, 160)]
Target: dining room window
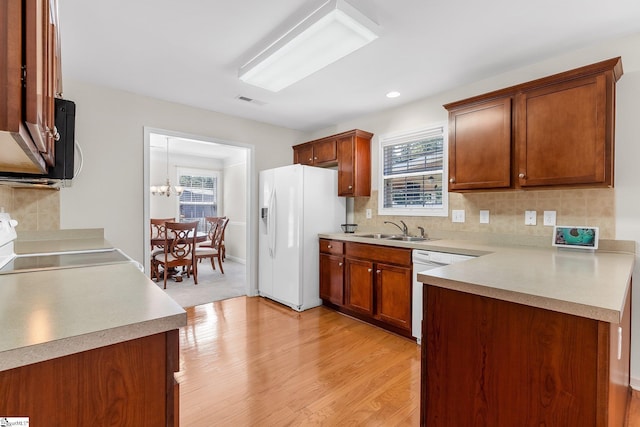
[(199, 198), (413, 172)]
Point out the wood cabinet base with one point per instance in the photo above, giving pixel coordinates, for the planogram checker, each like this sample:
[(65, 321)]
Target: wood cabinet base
[(129, 383), (487, 362)]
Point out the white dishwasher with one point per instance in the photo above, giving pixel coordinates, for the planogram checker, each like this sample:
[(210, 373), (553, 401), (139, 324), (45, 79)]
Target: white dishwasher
[(422, 261)]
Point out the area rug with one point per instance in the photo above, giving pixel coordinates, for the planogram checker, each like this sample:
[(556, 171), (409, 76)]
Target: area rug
[(212, 285)]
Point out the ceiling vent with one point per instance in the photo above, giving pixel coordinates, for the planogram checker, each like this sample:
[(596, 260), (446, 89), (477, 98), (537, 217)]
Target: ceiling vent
[(250, 100)]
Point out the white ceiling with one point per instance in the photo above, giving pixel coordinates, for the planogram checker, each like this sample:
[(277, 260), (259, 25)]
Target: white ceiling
[(190, 51)]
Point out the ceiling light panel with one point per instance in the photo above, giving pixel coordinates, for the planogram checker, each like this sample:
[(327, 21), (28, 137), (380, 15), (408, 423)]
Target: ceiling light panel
[(333, 31)]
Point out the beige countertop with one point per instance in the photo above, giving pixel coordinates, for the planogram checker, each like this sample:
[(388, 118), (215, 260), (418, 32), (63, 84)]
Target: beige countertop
[(31, 242), (587, 284), (54, 313)]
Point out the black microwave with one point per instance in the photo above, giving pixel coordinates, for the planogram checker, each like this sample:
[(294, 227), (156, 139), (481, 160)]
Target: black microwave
[(63, 170)]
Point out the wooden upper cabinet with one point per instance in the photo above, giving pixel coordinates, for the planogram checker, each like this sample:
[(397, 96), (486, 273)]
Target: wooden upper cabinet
[(354, 164), (480, 145), (303, 155), (557, 131), (29, 81), (350, 151), (562, 135), (316, 153)]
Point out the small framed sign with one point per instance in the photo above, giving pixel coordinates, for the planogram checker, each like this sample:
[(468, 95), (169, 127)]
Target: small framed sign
[(578, 237)]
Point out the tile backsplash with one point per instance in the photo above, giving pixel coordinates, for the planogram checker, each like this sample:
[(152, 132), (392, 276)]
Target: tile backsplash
[(34, 209), (593, 207)]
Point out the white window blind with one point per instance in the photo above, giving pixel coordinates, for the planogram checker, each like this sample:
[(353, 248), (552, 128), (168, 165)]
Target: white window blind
[(413, 180), (200, 196)]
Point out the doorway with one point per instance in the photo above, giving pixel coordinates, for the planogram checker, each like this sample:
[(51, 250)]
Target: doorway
[(226, 167)]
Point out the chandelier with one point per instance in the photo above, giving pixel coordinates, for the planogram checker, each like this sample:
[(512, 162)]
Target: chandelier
[(167, 189)]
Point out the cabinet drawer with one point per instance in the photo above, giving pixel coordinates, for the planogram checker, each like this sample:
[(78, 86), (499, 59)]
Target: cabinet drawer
[(331, 247), (375, 253)]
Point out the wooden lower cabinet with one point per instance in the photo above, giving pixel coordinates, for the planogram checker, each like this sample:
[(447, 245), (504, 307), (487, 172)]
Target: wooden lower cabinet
[(370, 282), (126, 384), (487, 362), (393, 296), (332, 278), (360, 286)]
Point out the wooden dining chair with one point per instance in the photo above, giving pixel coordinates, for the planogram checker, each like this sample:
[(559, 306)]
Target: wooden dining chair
[(157, 234), (214, 250), (212, 226), (209, 242), (179, 249)]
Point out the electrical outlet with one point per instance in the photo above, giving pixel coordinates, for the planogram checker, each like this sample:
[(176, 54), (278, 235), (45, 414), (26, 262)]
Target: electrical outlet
[(484, 217), (549, 218), (457, 215), (368, 212), (529, 217)]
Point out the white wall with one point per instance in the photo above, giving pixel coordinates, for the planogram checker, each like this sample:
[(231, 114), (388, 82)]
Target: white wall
[(109, 126), (234, 195), (627, 178)]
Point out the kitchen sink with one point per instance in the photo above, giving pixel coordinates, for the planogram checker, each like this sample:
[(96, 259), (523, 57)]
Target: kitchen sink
[(378, 236), (408, 238), (393, 237)]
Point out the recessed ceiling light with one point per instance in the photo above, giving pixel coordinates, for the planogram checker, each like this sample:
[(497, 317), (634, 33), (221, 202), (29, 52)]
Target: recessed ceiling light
[(393, 94)]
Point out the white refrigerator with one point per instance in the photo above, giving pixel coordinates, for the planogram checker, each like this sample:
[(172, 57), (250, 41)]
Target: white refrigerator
[(296, 203)]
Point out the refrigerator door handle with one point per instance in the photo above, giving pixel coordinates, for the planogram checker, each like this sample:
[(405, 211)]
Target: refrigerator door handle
[(271, 224)]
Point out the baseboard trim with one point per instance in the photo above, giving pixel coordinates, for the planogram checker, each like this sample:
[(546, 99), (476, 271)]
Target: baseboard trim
[(635, 383), (235, 259)]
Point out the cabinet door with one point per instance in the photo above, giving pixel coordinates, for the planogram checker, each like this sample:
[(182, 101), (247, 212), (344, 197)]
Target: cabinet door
[(39, 70), (346, 175), (303, 155), (331, 278), (393, 295), (325, 152), (480, 146), (359, 281), (562, 134)]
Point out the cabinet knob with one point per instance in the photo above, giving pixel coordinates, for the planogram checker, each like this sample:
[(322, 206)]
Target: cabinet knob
[(315, 158), (452, 180), (369, 270), (351, 187), (310, 159), (328, 246), (378, 271), (521, 176), (339, 264)]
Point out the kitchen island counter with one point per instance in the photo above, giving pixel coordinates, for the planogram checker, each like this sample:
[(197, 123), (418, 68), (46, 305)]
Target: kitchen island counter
[(54, 313), (589, 284), (87, 345)]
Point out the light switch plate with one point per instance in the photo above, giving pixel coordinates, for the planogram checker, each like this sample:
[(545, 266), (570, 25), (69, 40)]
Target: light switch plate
[(368, 212), (549, 218), (484, 217), (457, 215), (529, 217)]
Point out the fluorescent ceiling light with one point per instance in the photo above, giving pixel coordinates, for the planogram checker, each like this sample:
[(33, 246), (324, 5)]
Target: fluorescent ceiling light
[(332, 31)]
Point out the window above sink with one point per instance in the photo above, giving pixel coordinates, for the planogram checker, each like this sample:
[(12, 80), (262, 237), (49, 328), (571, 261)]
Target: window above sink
[(412, 172)]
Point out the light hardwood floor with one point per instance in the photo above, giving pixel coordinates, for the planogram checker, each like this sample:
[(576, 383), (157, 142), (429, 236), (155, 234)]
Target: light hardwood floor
[(251, 362)]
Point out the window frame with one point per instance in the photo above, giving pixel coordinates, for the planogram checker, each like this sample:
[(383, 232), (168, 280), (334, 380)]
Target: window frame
[(409, 136), (191, 171)]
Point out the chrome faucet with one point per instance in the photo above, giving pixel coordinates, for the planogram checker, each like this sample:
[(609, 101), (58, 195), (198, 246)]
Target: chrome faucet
[(404, 228), (421, 231)]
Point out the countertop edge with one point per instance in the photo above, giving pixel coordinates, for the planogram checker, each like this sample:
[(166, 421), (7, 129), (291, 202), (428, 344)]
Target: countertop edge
[(546, 303), (23, 356)]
